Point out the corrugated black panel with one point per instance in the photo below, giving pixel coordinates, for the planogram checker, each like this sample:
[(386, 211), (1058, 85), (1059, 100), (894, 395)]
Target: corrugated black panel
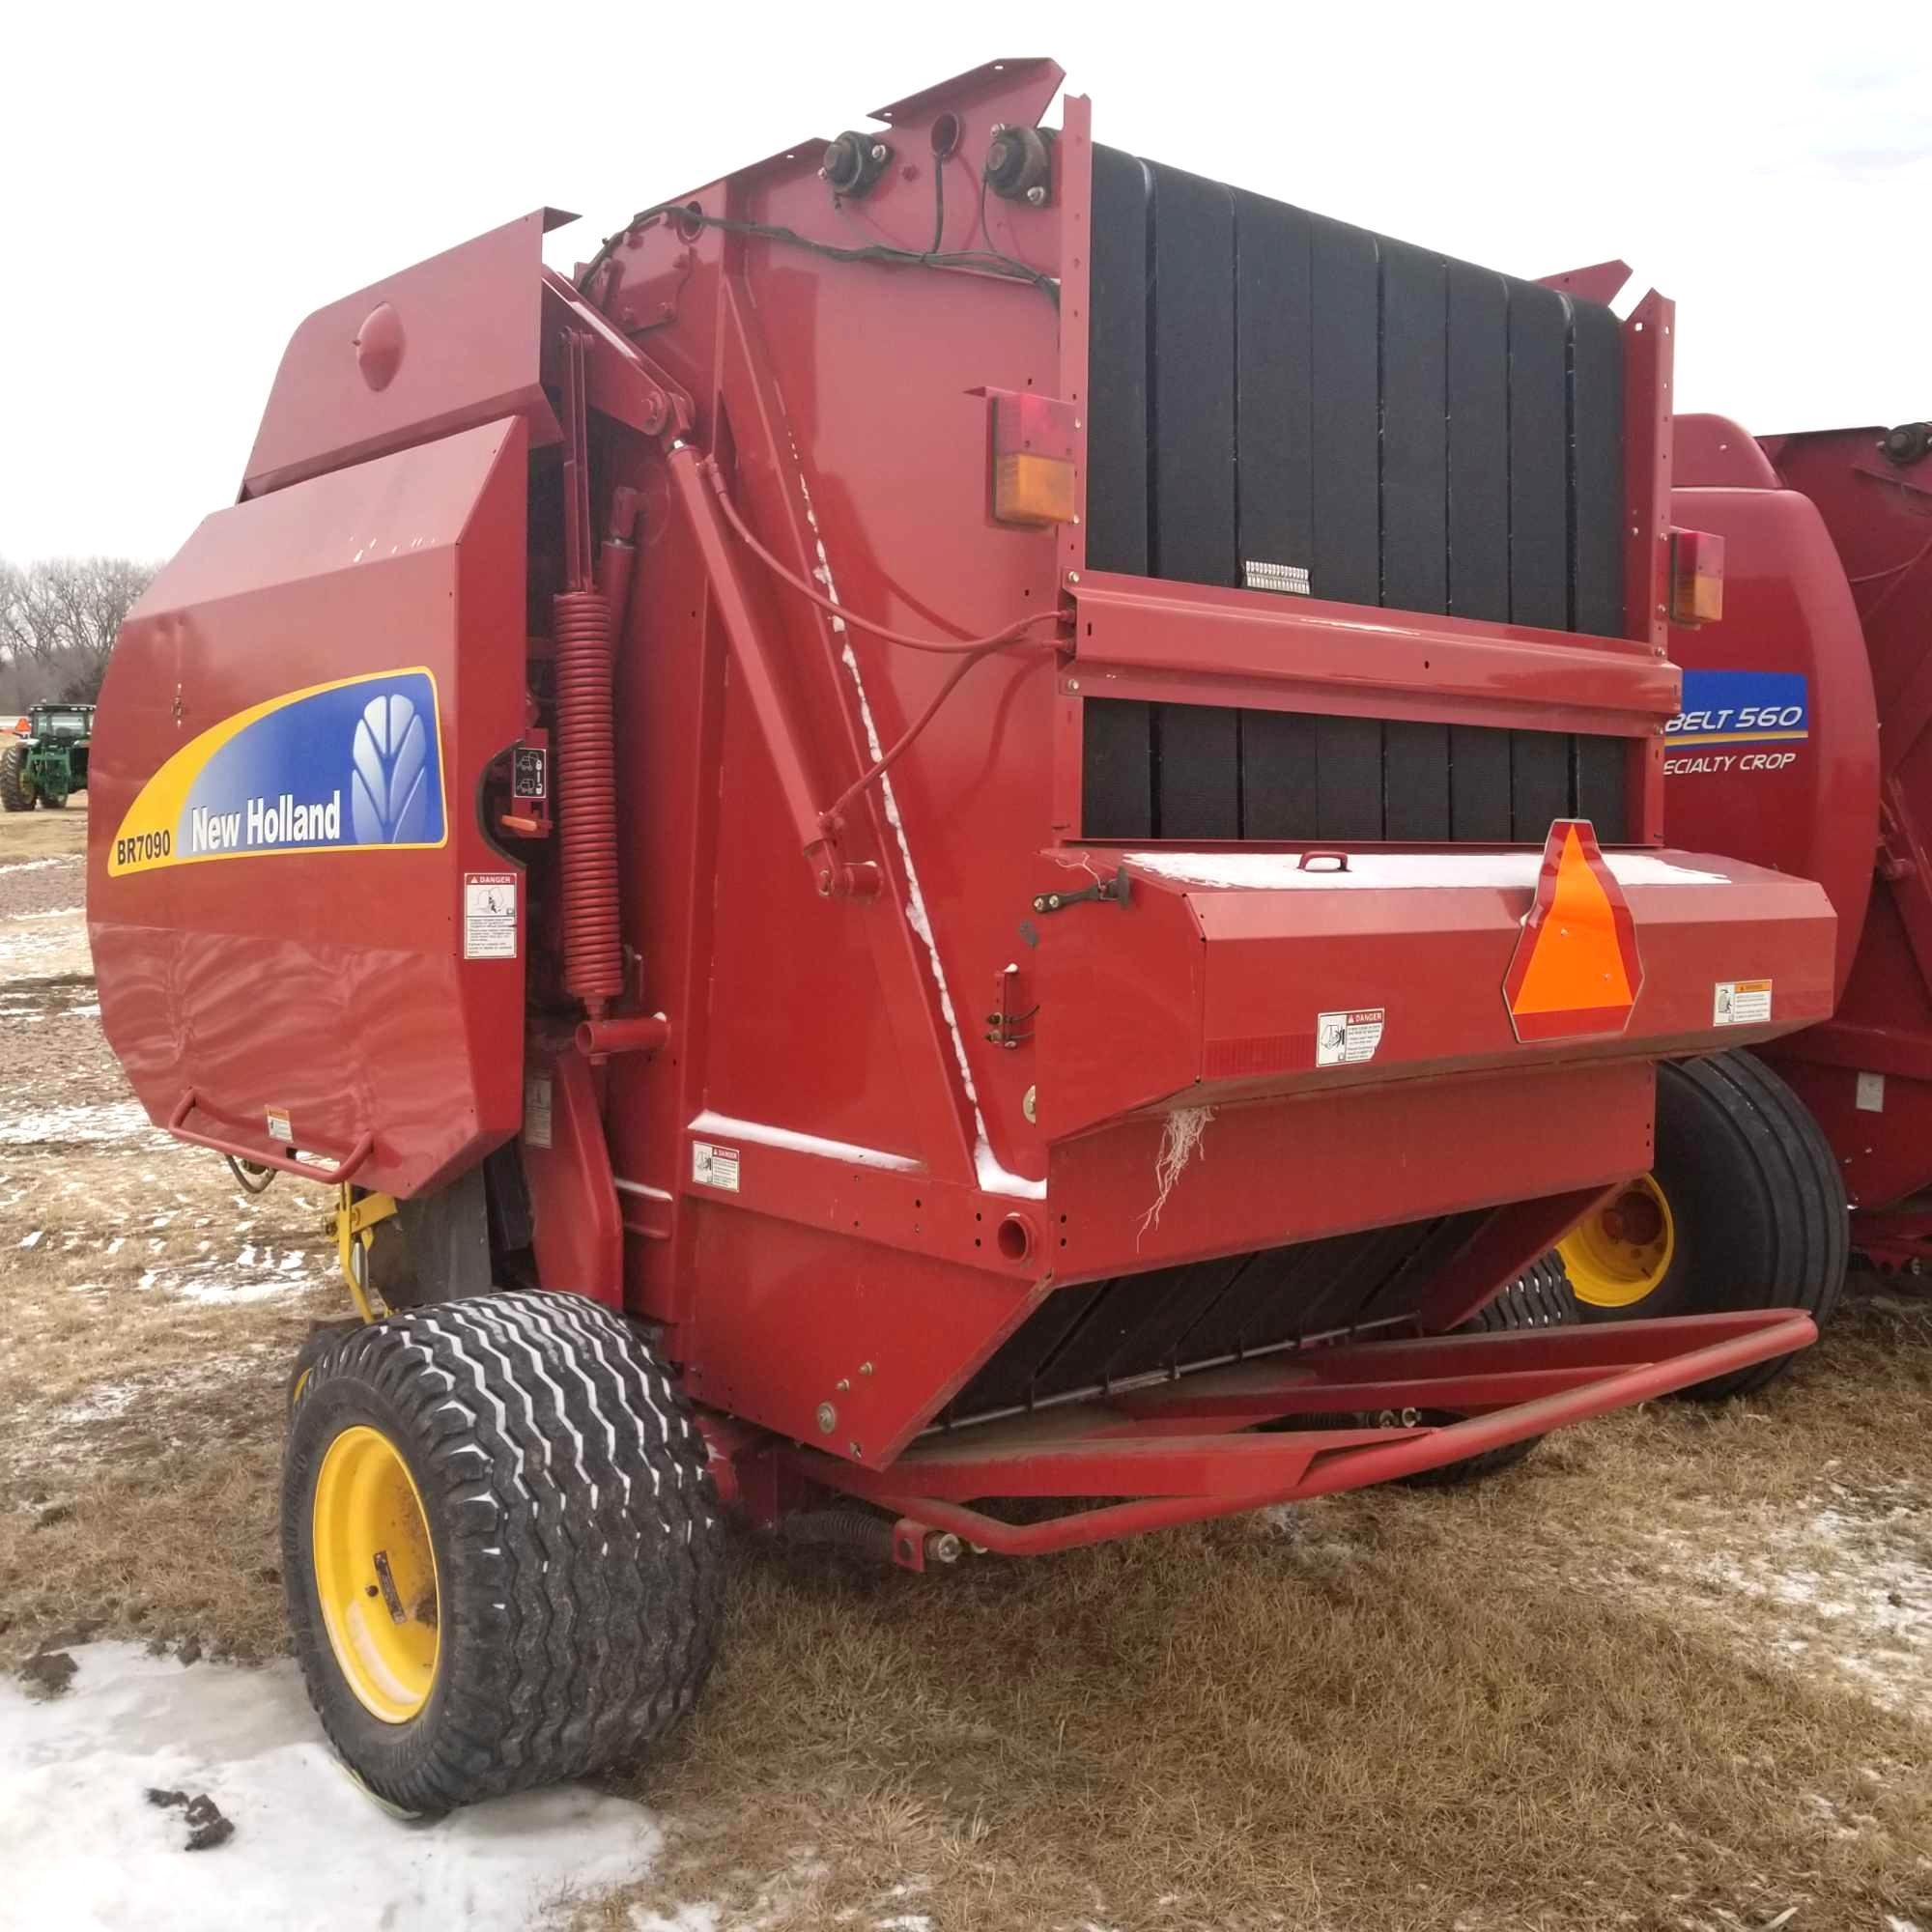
[(1347, 778), (1168, 1319), (1278, 1293), (1478, 391), (1479, 785), (1117, 774), (1597, 444), (1192, 340), (1412, 429), (1539, 418), (1345, 424), (1014, 1375), (1268, 386), (1415, 430), (1117, 435), (1197, 785), (1539, 783), (1603, 765), (1416, 781), (1286, 775), (1279, 792), (1274, 382)]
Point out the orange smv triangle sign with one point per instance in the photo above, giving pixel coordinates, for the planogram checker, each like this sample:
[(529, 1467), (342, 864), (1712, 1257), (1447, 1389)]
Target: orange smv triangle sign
[(1576, 970)]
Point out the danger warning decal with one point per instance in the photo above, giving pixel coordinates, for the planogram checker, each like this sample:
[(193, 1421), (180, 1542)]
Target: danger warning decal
[(1576, 970), (338, 767)]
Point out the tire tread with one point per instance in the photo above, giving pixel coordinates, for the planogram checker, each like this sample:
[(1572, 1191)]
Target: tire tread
[(584, 1562)]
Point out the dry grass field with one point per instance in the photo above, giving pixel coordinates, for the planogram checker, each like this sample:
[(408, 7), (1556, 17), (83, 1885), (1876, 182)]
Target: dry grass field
[(1674, 1672)]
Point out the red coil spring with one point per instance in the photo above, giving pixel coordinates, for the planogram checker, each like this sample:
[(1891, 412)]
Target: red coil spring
[(593, 963)]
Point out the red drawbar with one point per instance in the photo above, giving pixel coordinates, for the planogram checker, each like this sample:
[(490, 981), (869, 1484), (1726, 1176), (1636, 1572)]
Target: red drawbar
[(1177, 1451), (1576, 970)]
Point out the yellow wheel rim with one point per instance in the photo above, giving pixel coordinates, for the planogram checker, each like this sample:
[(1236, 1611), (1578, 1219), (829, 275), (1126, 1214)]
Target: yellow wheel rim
[(1622, 1252), (375, 1574)]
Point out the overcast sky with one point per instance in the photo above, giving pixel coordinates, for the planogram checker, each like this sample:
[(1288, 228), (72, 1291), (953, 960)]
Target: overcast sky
[(181, 184)]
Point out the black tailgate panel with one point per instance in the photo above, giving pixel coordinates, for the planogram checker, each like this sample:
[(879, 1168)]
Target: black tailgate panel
[(1275, 392)]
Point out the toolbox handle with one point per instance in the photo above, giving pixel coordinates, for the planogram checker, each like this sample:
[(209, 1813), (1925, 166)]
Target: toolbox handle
[(265, 1157), (1323, 862)]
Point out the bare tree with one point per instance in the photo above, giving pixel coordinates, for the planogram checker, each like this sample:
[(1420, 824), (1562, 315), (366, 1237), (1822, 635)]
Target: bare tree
[(58, 621)]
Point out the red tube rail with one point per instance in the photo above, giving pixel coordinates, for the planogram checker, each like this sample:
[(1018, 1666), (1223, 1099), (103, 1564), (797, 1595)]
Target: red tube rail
[(1171, 1479), (267, 1156)]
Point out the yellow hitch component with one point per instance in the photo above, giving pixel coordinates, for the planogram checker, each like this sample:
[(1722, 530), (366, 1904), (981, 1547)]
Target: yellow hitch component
[(375, 1574), (351, 1227), (1621, 1254)]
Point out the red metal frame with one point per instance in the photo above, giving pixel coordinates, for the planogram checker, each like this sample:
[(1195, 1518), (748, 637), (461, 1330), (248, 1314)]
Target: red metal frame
[(1183, 1452), (1829, 575)]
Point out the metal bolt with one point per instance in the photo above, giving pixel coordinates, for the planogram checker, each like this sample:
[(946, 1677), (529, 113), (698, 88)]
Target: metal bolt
[(843, 1383), (865, 1368), (1073, 577), (827, 1418), (1026, 1102), (879, 150), (1072, 684), (1036, 196), (1076, 422), (855, 1449), (998, 128), (821, 174), (942, 1546)]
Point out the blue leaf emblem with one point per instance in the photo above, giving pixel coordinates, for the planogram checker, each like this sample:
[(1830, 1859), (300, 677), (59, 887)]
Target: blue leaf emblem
[(389, 796)]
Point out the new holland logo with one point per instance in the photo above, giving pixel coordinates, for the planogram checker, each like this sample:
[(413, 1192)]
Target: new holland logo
[(338, 767), (389, 796)]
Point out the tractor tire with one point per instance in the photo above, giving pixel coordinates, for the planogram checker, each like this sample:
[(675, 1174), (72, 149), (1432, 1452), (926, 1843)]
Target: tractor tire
[(16, 791), (322, 1337), (1540, 1298), (501, 1548), (1744, 1207)]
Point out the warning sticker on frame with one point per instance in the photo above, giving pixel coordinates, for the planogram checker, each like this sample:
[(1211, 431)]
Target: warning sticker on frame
[(1741, 1002), (1340, 1040), (537, 1109), (279, 1130), (714, 1166), (489, 915)]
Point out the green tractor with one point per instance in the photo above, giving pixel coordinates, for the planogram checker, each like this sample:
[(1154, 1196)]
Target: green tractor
[(47, 765)]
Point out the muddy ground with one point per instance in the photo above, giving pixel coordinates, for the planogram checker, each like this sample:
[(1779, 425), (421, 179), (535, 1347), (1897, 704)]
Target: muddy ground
[(1675, 1672)]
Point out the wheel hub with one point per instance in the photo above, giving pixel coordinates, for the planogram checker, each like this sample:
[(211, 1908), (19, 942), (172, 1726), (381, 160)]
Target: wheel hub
[(375, 1574), (1620, 1254)]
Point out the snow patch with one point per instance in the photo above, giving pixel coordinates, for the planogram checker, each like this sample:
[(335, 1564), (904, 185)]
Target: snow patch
[(1847, 1585), (1374, 871), (103, 1121), (762, 1134), (83, 1849), (252, 1275)]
